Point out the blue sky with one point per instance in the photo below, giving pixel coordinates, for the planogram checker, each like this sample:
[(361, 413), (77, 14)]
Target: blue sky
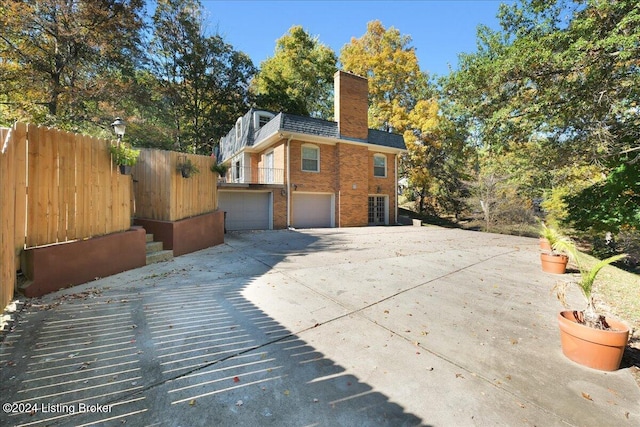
[(440, 29)]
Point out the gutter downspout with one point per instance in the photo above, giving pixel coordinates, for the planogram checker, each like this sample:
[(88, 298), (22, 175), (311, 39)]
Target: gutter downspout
[(395, 188), (289, 181)]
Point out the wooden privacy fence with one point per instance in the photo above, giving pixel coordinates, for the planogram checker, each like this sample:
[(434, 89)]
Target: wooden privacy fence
[(55, 187), (161, 193)]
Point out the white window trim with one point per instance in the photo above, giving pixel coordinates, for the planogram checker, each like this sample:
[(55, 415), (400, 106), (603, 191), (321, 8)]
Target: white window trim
[(379, 156), (258, 115), (312, 146)]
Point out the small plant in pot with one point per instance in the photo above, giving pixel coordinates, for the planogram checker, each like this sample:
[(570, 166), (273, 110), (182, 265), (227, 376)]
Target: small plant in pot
[(220, 169), (553, 260), (124, 156), (187, 168), (587, 337)]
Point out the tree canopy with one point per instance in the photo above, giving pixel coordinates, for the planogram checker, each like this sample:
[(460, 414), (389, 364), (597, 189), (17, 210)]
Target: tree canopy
[(202, 81), (387, 59), (63, 61), (298, 78), (562, 76)]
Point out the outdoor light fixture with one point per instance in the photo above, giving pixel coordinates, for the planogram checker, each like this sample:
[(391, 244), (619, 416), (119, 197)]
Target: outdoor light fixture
[(119, 126)]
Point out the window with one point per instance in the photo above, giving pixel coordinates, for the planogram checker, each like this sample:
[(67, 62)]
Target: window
[(263, 120), (237, 174), (310, 158), (239, 129), (380, 165), (268, 167)]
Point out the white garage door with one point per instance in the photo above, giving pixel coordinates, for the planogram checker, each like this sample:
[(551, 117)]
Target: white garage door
[(312, 210), (245, 210)]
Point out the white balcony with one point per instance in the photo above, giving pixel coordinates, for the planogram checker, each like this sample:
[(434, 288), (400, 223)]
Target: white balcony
[(247, 175)]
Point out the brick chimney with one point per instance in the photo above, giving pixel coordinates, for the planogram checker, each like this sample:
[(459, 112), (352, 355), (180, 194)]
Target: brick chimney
[(351, 105)]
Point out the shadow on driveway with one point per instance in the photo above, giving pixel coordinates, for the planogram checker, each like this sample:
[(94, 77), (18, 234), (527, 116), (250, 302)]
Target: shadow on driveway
[(177, 344)]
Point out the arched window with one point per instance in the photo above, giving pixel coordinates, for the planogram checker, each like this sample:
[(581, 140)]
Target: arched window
[(310, 158), (380, 165)]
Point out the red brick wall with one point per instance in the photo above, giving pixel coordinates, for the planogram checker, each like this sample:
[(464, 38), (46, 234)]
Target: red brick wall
[(351, 105), (341, 166), (352, 203), (323, 181)]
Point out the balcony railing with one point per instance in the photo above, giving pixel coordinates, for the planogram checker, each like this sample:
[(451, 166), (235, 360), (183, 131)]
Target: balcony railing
[(247, 175)]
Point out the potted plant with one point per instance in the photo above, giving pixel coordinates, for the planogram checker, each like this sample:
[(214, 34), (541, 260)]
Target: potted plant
[(124, 156), (552, 259), (220, 169), (587, 337), (187, 168)]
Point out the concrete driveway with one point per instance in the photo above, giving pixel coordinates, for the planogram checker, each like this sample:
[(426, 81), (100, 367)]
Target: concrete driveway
[(335, 327)]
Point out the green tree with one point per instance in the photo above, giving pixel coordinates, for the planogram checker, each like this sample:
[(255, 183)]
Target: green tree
[(298, 78), (203, 80), (610, 205), (562, 75), (386, 58), (63, 60)]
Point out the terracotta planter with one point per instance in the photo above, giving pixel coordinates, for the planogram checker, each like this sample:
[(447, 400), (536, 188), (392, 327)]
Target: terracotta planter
[(545, 245), (556, 264), (591, 347)]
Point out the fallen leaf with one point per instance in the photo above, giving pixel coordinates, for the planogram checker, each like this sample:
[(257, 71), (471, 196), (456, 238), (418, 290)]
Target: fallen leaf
[(459, 376), (192, 402), (286, 392), (236, 379), (586, 396), (239, 403)]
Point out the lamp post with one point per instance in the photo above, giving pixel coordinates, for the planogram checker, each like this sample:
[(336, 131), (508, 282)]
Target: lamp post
[(119, 126)]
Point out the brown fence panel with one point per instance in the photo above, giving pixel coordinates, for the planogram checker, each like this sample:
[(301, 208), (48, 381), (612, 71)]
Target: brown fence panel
[(73, 190), (195, 195), (161, 193), (152, 187), (7, 217), (21, 174)]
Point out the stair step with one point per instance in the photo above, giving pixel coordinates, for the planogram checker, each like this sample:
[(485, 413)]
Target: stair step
[(149, 237), (154, 247), (159, 256)]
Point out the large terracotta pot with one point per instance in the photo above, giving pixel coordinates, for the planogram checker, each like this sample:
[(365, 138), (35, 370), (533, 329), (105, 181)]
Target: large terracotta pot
[(552, 263), (595, 348)]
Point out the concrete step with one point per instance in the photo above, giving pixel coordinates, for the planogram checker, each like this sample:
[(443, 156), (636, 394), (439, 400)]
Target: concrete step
[(159, 256), (154, 247), (149, 237)]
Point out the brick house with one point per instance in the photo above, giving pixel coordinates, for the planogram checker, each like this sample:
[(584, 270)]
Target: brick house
[(292, 171)]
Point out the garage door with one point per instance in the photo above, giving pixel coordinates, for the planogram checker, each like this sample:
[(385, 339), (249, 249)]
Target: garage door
[(245, 210), (312, 210)]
